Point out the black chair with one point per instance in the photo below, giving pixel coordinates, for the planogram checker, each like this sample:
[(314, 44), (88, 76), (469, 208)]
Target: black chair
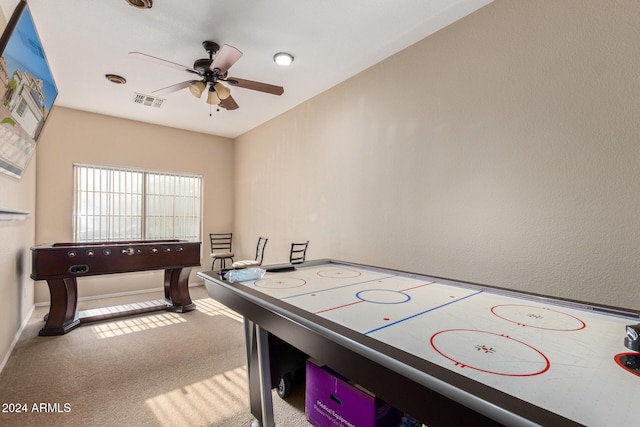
[(298, 252), (221, 249), (262, 242)]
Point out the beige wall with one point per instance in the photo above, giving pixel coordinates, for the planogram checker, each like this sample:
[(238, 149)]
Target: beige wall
[(16, 288), (501, 150), (77, 136)]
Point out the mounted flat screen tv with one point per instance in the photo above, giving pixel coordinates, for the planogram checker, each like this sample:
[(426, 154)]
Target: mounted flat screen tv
[(27, 91)]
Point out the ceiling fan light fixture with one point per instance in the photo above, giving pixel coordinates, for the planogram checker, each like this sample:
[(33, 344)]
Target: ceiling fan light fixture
[(197, 88), (213, 98), (222, 91), (141, 4), (283, 58)]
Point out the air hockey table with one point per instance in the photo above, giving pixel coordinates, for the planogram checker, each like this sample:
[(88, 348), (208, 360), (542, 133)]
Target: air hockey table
[(447, 352)]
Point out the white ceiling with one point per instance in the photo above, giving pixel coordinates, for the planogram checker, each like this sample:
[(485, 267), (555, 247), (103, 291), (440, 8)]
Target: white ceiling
[(331, 41)]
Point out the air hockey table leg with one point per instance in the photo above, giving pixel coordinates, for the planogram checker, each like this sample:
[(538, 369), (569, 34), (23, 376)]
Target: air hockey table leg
[(264, 368), (259, 373)]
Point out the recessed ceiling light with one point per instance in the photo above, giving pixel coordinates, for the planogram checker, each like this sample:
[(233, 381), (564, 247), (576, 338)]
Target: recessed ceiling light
[(114, 78), (283, 58), (141, 4)]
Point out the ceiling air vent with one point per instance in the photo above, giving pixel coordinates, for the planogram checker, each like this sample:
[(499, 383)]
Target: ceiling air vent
[(148, 100)]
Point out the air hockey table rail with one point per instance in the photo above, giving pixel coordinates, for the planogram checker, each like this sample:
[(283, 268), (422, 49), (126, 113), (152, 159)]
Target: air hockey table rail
[(397, 334)]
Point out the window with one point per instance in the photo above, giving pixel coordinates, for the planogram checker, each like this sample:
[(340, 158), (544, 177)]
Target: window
[(116, 204), (22, 106)]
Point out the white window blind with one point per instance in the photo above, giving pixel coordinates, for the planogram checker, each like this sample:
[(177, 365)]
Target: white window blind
[(117, 204)]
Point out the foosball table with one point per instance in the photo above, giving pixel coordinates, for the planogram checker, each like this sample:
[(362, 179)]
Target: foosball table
[(60, 264)]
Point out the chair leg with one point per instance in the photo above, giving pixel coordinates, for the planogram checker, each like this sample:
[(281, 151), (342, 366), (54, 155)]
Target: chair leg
[(223, 263)]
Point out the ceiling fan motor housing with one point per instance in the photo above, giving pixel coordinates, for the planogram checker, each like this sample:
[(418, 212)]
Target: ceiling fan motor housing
[(202, 65)]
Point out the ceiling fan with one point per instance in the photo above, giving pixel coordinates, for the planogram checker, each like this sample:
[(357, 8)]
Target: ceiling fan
[(212, 71)]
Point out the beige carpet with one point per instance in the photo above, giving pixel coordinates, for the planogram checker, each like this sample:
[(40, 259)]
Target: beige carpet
[(159, 369)]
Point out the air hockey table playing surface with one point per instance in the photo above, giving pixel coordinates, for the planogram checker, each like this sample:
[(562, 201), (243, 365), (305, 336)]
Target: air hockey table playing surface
[(561, 356)]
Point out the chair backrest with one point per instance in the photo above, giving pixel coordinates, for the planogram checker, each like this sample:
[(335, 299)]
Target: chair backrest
[(221, 242), (298, 252), (262, 242)]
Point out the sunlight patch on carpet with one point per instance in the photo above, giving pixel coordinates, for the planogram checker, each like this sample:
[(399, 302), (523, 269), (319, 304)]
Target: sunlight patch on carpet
[(205, 402), (211, 307), (136, 324)]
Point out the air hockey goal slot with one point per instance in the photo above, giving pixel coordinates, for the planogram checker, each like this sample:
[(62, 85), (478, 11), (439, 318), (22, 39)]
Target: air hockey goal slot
[(629, 362), (632, 361)]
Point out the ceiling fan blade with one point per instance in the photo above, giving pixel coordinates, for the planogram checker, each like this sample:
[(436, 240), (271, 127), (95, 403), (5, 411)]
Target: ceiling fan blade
[(174, 88), (228, 103), (250, 84), (225, 58), (164, 62)]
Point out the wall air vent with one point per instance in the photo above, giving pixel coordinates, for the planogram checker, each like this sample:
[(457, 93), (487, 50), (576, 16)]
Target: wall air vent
[(148, 100)]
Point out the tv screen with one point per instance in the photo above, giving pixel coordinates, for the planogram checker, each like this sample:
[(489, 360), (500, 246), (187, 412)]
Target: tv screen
[(27, 91)]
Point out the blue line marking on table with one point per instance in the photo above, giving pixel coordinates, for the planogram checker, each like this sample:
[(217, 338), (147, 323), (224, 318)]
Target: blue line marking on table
[(421, 313)]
